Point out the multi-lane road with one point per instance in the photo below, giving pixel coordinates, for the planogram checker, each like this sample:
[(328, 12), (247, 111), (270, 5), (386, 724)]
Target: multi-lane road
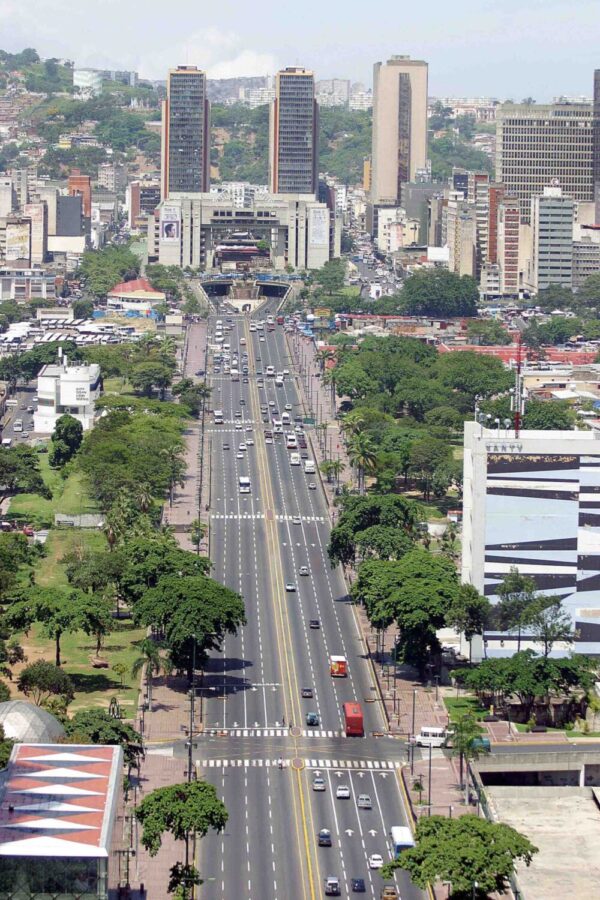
[(256, 747)]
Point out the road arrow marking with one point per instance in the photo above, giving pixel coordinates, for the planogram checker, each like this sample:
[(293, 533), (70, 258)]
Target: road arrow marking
[(349, 832), (372, 832)]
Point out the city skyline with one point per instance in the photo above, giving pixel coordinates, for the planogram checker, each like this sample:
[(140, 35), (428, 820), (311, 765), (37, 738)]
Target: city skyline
[(479, 51)]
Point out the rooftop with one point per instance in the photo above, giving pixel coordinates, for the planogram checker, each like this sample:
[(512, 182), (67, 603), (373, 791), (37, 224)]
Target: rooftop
[(59, 800)]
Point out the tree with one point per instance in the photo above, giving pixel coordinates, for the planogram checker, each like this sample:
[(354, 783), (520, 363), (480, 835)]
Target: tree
[(464, 851), (465, 745), (358, 513), (516, 593), (66, 440), (426, 457), (197, 532), (488, 333), (58, 611), (331, 276), (20, 472), (96, 726), (469, 612), (362, 455), (548, 624), (41, 680), (544, 415), (182, 810), (438, 292), (153, 662), (146, 377), (83, 309), (94, 617)]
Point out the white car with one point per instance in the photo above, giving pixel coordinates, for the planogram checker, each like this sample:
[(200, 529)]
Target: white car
[(303, 570), (241, 448), (288, 406), (319, 784), (238, 426), (296, 520), (375, 861), (249, 442), (312, 486), (271, 403), (343, 792), (262, 340), (290, 587), (239, 455), (286, 372)]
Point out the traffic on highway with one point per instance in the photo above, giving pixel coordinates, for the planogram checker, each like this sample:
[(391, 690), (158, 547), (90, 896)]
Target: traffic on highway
[(293, 732)]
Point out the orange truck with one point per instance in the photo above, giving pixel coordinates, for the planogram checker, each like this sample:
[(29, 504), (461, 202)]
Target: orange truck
[(354, 725), (338, 666)]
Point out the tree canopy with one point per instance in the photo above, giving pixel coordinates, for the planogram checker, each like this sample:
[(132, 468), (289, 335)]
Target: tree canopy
[(439, 292)]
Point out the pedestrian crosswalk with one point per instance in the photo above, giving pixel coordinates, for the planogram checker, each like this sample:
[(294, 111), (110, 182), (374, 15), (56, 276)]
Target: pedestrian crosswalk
[(275, 732), (278, 517), (374, 765)]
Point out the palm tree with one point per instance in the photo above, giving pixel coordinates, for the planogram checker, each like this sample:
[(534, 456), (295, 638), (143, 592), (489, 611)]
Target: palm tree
[(144, 498), (465, 745), (329, 377), (176, 468), (327, 469), (198, 530), (323, 357), (167, 347), (337, 467), (352, 423), (363, 456), (154, 664)]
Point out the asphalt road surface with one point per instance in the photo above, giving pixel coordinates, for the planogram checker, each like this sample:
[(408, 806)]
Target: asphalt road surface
[(252, 710)]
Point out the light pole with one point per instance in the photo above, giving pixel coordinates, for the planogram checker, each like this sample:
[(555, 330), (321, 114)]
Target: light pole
[(414, 703), (429, 782)]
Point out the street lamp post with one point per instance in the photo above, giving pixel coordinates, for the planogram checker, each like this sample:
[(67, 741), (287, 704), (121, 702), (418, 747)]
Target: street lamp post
[(414, 703), (429, 782)]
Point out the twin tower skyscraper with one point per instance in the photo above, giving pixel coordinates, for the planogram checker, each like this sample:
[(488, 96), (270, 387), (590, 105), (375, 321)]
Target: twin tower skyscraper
[(293, 134)]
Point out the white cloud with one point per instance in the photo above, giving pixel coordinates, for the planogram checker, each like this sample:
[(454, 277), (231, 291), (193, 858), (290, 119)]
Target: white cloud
[(220, 53)]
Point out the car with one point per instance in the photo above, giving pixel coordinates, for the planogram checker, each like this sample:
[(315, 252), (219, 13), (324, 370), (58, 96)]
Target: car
[(238, 426), (259, 383), (375, 861), (357, 886), (342, 792), (299, 429), (290, 587), (239, 455), (262, 340), (245, 381), (306, 693), (288, 406), (312, 486), (332, 886), (296, 520), (314, 623), (364, 802), (237, 414), (225, 446), (242, 401), (303, 570), (302, 444), (269, 439), (389, 892), (319, 784), (263, 410), (304, 454), (312, 719), (324, 837), (248, 428), (249, 442), (286, 372), (242, 447), (271, 403), (200, 372)]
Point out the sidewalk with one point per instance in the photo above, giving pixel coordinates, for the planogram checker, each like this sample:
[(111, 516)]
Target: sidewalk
[(169, 717)]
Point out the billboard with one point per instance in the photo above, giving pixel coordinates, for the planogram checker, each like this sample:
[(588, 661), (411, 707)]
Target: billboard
[(18, 240), (319, 227), (170, 223)]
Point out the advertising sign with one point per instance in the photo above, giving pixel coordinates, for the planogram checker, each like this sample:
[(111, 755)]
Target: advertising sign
[(17, 240), (319, 227), (170, 224)]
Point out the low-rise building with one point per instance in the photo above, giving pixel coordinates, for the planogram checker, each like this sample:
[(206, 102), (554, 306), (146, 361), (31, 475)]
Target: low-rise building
[(136, 295), (66, 389)]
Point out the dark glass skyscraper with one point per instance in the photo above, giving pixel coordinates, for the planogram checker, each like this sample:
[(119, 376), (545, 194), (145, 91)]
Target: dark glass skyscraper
[(293, 144), (186, 133)]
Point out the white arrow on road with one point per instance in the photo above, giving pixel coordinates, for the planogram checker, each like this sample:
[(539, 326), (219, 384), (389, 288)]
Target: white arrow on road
[(349, 832), (235, 724), (372, 832), (338, 774), (383, 774), (361, 774)]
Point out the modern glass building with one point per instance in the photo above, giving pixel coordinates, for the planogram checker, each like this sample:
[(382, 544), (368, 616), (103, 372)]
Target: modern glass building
[(294, 126), (185, 133)]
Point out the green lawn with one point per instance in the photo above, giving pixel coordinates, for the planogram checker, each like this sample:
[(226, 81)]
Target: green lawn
[(459, 706), (93, 687), (116, 385), (69, 496), (49, 572)]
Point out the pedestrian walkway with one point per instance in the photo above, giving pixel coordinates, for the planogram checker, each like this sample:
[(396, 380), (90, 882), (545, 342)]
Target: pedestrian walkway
[(375, 765)]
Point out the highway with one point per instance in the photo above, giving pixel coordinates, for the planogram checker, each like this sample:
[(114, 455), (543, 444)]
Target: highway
[(253, 714)]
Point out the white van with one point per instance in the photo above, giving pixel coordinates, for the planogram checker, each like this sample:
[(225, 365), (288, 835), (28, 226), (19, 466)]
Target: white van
[(277, 426), (285, 418), (6, 442), (431, 736), (290, 442), (270, 371), (244, 483), (279, 381), (309, 467), (294, 459)]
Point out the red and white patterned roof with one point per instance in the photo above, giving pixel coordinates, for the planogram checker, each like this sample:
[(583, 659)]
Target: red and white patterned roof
[(59, 800)]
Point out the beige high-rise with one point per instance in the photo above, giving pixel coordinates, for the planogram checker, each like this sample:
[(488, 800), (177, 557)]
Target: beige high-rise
[(399, 125)]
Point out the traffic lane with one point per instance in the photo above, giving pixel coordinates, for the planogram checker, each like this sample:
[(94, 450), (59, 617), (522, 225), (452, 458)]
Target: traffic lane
[(389, 809), (330, 859)]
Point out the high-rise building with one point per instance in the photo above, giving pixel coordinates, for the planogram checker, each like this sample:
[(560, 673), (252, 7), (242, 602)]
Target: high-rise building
[(293, 134), (552, 216), (38, 215), (461, 234), (185, 133), (478, 185), (495, 197), (597, 142), (538, 144), (81, 186), (8, 196), (507, 252), (399, 126)]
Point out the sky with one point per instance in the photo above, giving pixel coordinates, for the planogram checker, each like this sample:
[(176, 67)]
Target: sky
[(498, 48)]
